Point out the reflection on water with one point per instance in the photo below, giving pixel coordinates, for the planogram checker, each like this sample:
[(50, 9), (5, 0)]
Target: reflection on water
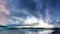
[(26, 31), (30, 31)]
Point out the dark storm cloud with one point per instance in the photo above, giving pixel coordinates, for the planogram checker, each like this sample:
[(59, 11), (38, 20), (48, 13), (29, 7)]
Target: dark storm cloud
[(49, 5), (58, 9), (18, 7), (29, 4), (32, 7)]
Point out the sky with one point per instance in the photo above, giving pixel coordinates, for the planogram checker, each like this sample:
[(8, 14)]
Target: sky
[(58, 9), (29, 11)]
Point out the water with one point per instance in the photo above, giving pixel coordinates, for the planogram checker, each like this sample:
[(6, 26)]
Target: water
[(26, 31)]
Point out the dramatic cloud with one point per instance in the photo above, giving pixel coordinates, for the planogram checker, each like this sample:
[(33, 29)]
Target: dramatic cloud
[(28, 10)]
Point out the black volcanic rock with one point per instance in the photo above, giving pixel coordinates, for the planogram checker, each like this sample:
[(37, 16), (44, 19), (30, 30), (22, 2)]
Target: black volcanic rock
[(57, 31)]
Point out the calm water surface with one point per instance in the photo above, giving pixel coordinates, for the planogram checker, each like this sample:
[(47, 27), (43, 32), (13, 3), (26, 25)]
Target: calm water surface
[(30, 31), (26, 31)]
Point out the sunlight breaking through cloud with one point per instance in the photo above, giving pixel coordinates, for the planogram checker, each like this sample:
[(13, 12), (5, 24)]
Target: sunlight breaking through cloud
[(36, 12)]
